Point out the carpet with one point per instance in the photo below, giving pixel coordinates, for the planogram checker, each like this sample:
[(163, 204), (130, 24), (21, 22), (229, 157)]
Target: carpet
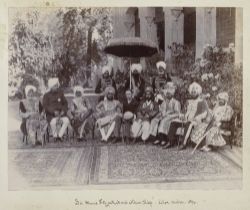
[(150, 164), (49, 167)]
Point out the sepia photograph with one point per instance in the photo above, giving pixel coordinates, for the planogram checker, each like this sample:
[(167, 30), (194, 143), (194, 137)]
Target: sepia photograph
[(125, 97)]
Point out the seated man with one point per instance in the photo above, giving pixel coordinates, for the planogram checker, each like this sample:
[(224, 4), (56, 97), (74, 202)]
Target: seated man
[(146, 111), (109, 115), (80, 111), (33, 122), (172, 111), (129, 111), (213, 130), (56, 106), (197, 111)]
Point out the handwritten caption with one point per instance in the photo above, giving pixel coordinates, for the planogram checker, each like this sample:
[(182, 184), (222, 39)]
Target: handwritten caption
[(132, 202)]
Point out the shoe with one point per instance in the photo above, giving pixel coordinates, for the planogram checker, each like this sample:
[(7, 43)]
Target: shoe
[(151, 138), (167, 146), (59, 139), (79, 139), (114, 140), (163, 143), (183, 147), (205, 149), (156, 142)]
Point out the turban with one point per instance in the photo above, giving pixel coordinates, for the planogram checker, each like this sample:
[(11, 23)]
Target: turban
[(149, 89), (159, 98), (106, 69), (195, 86), (109, 89), (161, 64), (130, 91), (224, 96), (137, 67), (52, 82), (79, 89), (29, 88), (128, 115)]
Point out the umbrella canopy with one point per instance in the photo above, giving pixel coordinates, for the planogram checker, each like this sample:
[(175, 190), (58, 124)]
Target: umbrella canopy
[(131, 47)]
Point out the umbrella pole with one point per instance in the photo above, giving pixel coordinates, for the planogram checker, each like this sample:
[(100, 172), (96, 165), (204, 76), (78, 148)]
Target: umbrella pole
[(130, 75)]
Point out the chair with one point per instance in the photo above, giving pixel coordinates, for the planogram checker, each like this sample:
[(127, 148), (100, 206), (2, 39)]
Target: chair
[(228, 128), (89, 119), (48, 134)]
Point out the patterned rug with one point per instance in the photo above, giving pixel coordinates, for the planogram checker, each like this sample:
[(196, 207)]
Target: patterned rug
[(49, 167), (150, 164)]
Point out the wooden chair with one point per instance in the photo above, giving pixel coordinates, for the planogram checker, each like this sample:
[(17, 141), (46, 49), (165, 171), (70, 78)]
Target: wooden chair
[(228, 130), (48, 133)]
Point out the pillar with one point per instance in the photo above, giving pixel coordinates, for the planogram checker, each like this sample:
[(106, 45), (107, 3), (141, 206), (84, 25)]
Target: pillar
[(123, 26), (147, 26), (174, 28), (205, 28), (239, 36)]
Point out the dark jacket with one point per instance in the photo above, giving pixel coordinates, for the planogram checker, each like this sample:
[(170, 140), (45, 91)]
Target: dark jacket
[(159, 82), (140, 84), (147, 112), (54, 101), (131, 107)]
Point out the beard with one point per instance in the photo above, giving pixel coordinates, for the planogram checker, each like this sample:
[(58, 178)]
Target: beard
[(110, 98)]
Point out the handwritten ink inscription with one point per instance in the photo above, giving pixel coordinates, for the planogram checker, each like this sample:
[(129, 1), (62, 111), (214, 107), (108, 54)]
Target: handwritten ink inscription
[(132, 202)]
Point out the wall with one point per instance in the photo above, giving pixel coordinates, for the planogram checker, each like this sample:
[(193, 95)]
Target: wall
[(225, 28)]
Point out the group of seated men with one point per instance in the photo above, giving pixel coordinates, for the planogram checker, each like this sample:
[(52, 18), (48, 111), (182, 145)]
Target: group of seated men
[(150, 113)]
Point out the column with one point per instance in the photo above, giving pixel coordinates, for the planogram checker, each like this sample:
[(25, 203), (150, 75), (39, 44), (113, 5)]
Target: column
[(239, 36), (147, 27), (174, 28), (123, 26), (205, 28), (147, 23)]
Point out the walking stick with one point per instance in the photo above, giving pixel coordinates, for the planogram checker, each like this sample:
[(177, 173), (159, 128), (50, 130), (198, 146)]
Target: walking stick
[(207, 131), (199, 142)]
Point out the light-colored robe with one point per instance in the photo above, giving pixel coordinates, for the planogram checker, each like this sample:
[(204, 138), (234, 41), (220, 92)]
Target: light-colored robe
[(213, 137), (162, 123)]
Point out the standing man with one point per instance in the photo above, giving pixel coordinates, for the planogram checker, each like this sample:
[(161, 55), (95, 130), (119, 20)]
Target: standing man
[(56, 106), (105, 81), (162, 78), (137, 82)]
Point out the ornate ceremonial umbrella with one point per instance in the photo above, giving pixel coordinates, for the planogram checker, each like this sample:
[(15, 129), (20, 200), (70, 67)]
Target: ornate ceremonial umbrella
[(131, 47)]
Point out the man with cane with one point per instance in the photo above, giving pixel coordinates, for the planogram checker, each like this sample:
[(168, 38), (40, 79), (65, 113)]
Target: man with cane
[(196, 113)]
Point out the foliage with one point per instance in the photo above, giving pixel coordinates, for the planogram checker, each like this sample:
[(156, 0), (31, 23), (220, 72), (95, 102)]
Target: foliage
[(215, 72), (63, 42)]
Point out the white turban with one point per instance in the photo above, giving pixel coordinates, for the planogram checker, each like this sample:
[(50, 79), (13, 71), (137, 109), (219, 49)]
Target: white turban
[(161, 64), (109, 89), (106, 69), (136, 66), (28, 88), (159, 98), (195, 86), (78, 88), (52, 82), (224, 96)]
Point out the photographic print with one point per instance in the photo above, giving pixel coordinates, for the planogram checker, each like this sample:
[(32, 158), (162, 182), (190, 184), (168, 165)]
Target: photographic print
[(125, 96)]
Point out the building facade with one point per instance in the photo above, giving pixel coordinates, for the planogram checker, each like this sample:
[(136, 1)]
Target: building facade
[(184, 25)]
